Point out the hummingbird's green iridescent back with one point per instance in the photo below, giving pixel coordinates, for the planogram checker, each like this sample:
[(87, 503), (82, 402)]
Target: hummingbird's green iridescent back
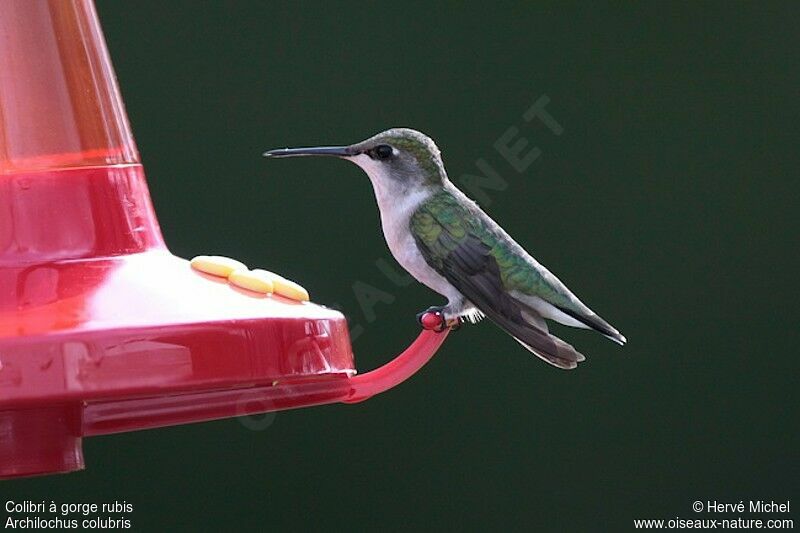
[(442, 223)]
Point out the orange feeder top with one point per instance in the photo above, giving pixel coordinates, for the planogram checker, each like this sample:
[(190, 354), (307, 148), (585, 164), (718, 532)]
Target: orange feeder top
[(101, 329)]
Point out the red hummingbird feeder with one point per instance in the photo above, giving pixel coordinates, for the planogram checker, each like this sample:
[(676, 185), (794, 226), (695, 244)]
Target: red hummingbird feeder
[(102, 330)]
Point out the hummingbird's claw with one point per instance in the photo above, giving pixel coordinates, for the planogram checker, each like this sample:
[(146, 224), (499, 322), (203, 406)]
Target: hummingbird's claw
[(455, 323)]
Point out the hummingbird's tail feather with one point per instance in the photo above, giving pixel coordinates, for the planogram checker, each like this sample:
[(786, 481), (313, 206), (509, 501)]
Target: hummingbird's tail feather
[(555, 361), (593, 321), (530, 330)]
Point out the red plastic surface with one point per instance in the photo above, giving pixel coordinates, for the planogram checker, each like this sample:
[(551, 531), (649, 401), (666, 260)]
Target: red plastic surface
[(101, 328), (59, 102)]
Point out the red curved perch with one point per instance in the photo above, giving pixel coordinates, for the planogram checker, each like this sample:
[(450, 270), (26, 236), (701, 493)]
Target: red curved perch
[(399, 369)]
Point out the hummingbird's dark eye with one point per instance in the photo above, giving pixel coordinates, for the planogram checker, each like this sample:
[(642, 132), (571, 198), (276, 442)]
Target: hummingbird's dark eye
[(382, 151)]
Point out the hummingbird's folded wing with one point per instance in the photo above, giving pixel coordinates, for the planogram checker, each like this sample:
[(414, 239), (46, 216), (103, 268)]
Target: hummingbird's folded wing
[(442, 224), (462, 257)]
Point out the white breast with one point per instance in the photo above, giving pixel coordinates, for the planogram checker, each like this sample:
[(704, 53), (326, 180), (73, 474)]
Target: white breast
[(396, 206)]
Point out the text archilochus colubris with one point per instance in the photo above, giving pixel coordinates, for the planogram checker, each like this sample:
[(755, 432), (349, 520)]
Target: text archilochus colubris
[(448, 243)]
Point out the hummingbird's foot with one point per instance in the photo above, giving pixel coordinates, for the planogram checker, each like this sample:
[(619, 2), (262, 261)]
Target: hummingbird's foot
[(455, 323), (433, 318)]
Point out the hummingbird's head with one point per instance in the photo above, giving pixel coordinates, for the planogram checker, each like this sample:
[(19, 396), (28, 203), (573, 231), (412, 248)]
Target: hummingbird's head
[(397, 160)]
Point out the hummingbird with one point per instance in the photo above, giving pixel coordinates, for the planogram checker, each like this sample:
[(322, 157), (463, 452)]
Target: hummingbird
[(448, 243)]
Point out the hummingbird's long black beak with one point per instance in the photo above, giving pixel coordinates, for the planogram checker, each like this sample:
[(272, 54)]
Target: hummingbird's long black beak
[(338, 151)]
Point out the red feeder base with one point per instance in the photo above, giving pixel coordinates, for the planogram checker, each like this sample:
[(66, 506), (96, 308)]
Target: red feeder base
[(101, 329), (40, 440)]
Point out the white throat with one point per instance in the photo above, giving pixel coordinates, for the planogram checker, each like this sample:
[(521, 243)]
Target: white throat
[(396, 200)]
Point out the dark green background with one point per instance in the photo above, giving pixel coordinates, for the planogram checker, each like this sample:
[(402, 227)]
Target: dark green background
[(667, 204)]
